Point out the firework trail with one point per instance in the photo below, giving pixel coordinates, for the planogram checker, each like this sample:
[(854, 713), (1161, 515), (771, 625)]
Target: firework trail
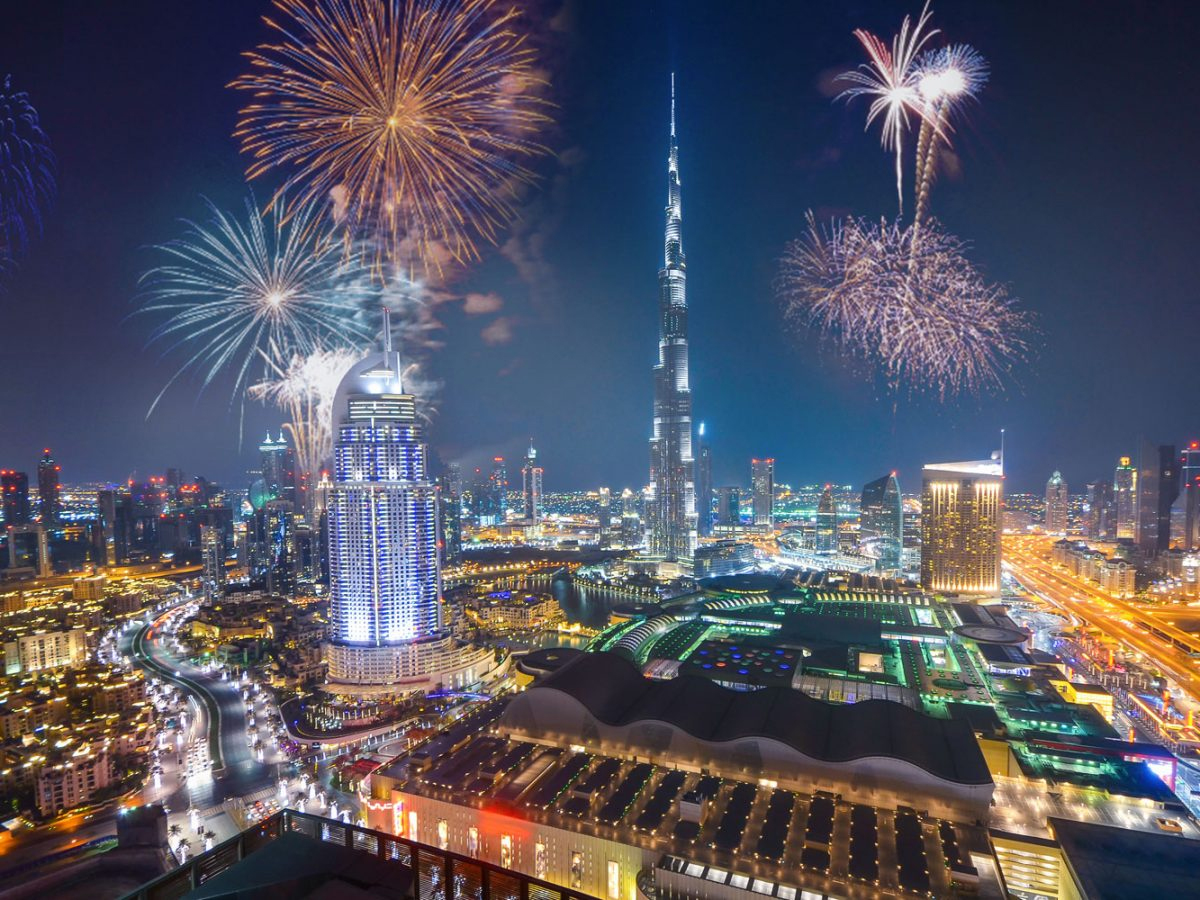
[(27, 167), (259, 291), (907, 301), (945, 77), (889, 80), (412, 116), (305, 387)]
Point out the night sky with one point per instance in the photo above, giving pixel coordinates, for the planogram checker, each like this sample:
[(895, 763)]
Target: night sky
[(1078, 188)]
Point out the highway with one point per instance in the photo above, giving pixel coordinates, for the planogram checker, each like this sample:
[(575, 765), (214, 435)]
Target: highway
[(1028, 558)]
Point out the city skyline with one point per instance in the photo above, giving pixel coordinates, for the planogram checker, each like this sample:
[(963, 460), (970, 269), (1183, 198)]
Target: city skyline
[(607, 169)]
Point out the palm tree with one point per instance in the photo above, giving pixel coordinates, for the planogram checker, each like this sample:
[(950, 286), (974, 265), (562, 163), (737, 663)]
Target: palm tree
[(174, 831), (182, 849)]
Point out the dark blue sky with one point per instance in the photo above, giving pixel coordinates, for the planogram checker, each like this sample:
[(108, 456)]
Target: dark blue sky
[(1078, 189)]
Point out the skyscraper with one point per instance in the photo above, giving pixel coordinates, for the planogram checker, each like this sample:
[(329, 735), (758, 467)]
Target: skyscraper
[(1056, 504), (531, 486), (1101, 523), (278, 468), (960, 526), (729, 507), (212, 555), (827, 522), (15, 487), (1190, 476), (670, 499), (49, 489), (1157, 490), (1124, 497), (762, 486), (604, 516), (498, 492), (383, 512), (704, 486), (881, 520)]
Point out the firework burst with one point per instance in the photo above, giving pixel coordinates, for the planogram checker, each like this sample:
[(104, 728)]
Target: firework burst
[(890, 81), (908, 302), (237, 293), (945, 78), (304, 387), (411, 115), (27, 165)]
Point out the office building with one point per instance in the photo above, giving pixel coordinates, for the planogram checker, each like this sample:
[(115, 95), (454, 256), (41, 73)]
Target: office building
[(1101, 523), (603, 516), (670, 503), (881, 522), (762, 488), (1056, 504), (719, 558), (29, 548), (49, 489), (704, 486), (960, 526), (450, 518), (826, 534), (729, 507), (1189, 471), (1157, 490), (497, 491), (1125, 498), (278, 468), (212, 558), (385, 568), (45, 650), (15, 487), (531, 486)]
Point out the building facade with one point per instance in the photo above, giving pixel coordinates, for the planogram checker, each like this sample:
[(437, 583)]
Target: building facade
[(960, 526), (670, 499), (15, 488), (531, 487), (1189, 469), (1125, 497), (1056, 504), (881, 521), (762, 487), (704, 485), (827, 522), (49, 489)]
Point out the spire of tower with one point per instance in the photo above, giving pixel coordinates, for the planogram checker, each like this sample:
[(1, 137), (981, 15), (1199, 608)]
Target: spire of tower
[(387, 330), (672, 104)]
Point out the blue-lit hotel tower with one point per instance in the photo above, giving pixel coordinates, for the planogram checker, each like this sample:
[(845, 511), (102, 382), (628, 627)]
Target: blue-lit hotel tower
[(385, 572), (670, 499)]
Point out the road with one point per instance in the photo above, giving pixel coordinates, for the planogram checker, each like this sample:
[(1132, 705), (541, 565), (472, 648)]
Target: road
[(236, 771), (1028, 558)]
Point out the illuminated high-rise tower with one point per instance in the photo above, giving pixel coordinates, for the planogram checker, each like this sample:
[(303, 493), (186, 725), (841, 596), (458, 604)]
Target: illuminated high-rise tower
[(960, 526), (49, 488), (670, 499), (531, 486), (762, 486), (1057, 501), (827, 522), (1190, 472), (1124, 497), (385, 578)]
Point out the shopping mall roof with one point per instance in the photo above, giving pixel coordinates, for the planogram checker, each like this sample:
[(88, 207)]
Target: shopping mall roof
[(615, 693)]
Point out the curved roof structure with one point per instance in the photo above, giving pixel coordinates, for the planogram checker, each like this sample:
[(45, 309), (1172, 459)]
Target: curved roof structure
[(614, 693)]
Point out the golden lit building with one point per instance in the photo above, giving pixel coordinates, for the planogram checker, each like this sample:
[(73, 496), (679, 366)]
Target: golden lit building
[(960, 526)]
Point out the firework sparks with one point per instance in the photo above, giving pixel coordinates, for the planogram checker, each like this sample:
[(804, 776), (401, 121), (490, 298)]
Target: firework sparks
[(411, 115), (27, 167), (890, 80), (260, 291), (304, 387), (906, 301), (945, 77)]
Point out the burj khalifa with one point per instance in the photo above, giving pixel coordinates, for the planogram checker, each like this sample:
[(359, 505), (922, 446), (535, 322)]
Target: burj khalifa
[(671, 495)]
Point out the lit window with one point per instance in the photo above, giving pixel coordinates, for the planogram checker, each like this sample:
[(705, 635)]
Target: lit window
[(539, 860), (614, 880), (576, 869), (443, 834), (472, 841), (412, 825), (506, 851)]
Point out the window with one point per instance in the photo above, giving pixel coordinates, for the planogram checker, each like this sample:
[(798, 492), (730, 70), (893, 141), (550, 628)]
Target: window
[(614, 880), (539, 860), (576, 869), (506, 854), (443, 834), (412, 825), (472, 841)]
